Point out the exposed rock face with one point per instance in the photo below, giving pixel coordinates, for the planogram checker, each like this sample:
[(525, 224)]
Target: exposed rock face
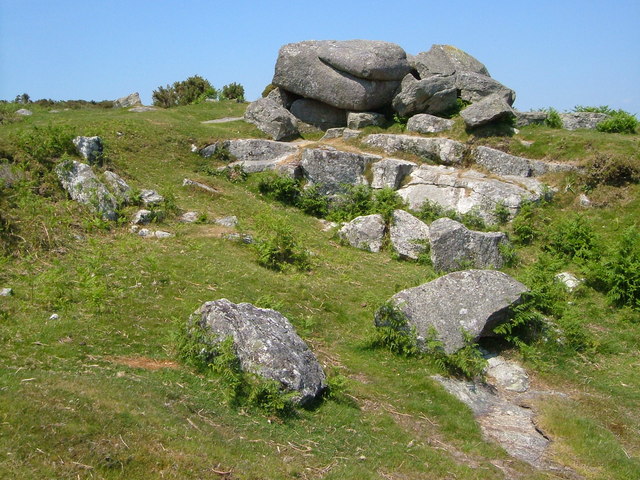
[(255, 154), (490, 109), (446, 60), (440, 150), (331, 170), (464, 191), (510, 425), (503, 163), (524, 119), (431, 95), (318, 114), (121, 189), (357, 75), (390, 172), (90, 148), (507, 375), (454, 245), (272, 119), (425, 123), (474, 87), (266, 344), (84, 187), (577, 120), (475, 301), (357, 120), (365, 233), (282, 97), (409, 235), (128, 101)]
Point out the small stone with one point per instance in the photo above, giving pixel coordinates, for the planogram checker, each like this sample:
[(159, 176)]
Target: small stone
[(240, 237), (55, 316), (24, 112), (192, 183), (229, 221), (570, 281), (161, 234), (584, 200), (145, 232), (142, 217), (151, 197), (189, 217), (6, 292)]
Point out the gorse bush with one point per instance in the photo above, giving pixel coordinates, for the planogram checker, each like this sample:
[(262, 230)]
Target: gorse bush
[(611, 169), (192, 90), (233, 91)]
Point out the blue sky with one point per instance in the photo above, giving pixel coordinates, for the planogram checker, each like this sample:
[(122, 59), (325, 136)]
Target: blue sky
[(552, 53)]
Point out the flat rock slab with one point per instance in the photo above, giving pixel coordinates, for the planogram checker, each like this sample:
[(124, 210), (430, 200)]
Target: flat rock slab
[(468, 190), (506, 423), (471, 301), (266, 344), (440, 150), (223, 120), (391, 172), (503, 163)]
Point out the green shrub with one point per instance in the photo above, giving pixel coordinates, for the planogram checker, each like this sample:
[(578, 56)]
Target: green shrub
[(523, 225), (431, 211), (356, 201), (611, 169), (278, 249), (501, 212), (280, 188), (572, 238), (313, 202), (192, 90), (385, 201), (466, 362), (46, 144), (553, 119), (233, 91), (619, 122), (393, 333)]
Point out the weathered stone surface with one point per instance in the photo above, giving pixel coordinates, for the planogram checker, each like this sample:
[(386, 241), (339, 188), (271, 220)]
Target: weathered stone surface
[(506, 374), (266, 344), (6, 292), (524, 119), (506, 423), (390, 172), (189, 217), (333, 133), (121, 189), (146, 233), (349, 133), (365, 233), (83, 186), (409, 235), (446, 60), (282, 97), (425, 123), (440, 150), (24, 112), (318, 114), (132, 100), (503, 163), (453, 245), (229, 221), (331, 170), (89, 148), (569, 280), (187, 182), (370, 59), (300, 70), (488, 110), (142, 217), (431, 95), (256, 155), (577, 120), (272, 119), (357, 120), (475, 301), (464, 191), (151, 197), (473, 87)]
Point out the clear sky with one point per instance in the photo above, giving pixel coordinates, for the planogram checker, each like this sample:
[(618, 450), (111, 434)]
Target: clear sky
[(558, 53)]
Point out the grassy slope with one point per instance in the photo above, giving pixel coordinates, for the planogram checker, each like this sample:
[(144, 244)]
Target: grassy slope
[(95, 393)]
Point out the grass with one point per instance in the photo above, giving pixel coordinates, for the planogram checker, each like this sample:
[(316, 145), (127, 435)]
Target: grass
[(97, 393)]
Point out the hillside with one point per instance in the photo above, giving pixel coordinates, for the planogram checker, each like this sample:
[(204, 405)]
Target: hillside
[(91, 385)]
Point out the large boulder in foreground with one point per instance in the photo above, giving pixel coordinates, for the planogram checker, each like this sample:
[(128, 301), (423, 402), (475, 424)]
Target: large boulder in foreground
[(272, 119), (83, 186), (266, 344), (454, 245), (472, 301), (409, 235), (355, 75), (365, 232)]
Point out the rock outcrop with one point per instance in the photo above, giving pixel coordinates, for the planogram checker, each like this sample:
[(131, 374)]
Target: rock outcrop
[(446, 60), (425, 123), (503, 163), (272, 119), (332, 169), (432, 95), (89, 148), (409, 235), (132, 100), (586, 120), (318, 114), (266, 344), (490, 109), (439, 150), (358, 120), (390, 172)]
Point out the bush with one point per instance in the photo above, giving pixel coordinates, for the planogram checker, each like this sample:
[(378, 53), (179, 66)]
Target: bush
[(431, 211), (279, 250), (620, 122), (553, 119), (233, 91), (610, 169), (192, 90), (361, 200), (523, 225), (393, 333), (572, 238)]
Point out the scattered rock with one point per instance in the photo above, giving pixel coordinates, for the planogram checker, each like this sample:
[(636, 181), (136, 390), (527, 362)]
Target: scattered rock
[(390, 172), (327, 225), (446, 60), (240, 237), (348, 133), (453, 246), (431, 95), (524, 119), (357, 120), (146, 233), (475, 301), (161, 234), (223, 120), (333, 133), (90, 148), (425, 123), (365, 232), (353, 75), (150, 197), (230, 221), (132, 100), (490, 109), (121, 189), (506, 374), (83, 186), (318, 114), (142, 109), (192, 183), (331, 170), (569, 280), (266, 344), (584, 200), (24, 112), (6, 292), (54, 316), (441, 150), (510, 425), (142, 217), (189, 217), (272, 119), (503, 163), (577, 120), (409, 235), (474, 87)]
